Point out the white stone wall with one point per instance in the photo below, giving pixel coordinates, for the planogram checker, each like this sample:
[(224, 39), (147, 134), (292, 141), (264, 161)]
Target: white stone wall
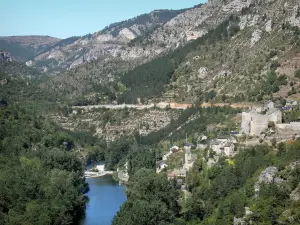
[(293, 126), (229, 151), (258, 124), (216, 149), (255, 123), (246, 119), (276, 117)]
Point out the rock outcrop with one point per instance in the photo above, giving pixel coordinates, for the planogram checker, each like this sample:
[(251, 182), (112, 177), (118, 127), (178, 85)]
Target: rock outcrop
[(5, 57), (295, 195), (267, 176)]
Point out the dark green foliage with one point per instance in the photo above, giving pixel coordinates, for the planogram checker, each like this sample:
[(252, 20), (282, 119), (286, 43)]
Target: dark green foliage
[(291, 116), (152, 200), (23, 90), (282, 79), (272, 54), (140, 157), (292, 92), (147, 80), (117, 151), (297, 73), (233, 29), (269, 86), (19, 70), (41, 181), (274, 65), (210, 95)]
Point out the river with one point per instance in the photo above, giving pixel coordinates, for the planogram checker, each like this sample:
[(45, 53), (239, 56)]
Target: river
[(105, 198)]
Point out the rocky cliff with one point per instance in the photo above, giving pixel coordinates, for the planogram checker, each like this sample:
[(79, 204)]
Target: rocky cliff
[(112, 41), (242, 41), (103, 56)]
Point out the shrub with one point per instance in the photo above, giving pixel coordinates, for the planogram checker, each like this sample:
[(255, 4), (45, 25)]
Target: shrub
[(297, 73), (274, 65)]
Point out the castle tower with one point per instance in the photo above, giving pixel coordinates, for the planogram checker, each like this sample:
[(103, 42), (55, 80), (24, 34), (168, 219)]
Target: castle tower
[(187, 156)]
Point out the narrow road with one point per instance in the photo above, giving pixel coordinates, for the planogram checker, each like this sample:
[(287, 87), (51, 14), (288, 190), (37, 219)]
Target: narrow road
[(164, 105)]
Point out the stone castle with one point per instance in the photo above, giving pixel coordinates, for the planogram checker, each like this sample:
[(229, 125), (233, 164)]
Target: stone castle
[(257, 120)]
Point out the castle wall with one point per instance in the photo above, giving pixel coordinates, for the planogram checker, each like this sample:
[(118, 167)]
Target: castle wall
[(293, 126), (258, 124), (276, 117), (254, 123), (246, 119)]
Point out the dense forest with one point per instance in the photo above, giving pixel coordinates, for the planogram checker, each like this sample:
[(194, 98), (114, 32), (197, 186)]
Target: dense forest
[(152, 200), (41, 179)]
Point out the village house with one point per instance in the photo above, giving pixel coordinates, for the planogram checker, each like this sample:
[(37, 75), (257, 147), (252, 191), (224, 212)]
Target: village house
[(189, 160), (176, 173), (223, 145)]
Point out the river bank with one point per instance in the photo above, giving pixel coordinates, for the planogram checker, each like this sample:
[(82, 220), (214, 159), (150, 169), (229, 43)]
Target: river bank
[(105, 198)]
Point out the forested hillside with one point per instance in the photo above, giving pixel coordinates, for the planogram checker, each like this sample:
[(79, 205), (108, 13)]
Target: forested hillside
[(41, 178), (24, 48), (41, 166), (229, 191)]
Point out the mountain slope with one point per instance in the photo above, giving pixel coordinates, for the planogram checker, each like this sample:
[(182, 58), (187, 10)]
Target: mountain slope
[(228, 61), (239, 66), (24, 48), (186, 26), (111, 41)]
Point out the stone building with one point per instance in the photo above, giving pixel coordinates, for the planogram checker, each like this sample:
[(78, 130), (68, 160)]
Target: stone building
[(223, 145), (255, 122), (189, 158)]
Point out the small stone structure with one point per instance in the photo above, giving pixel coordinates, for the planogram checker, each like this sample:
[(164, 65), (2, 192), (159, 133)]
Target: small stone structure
[(223, 145), (189, 158), (293, 126)]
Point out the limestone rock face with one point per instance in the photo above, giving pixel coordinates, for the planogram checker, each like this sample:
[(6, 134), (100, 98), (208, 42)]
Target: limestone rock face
[(248, 21), (267, 176), (256, 36), (295, 195), (128, 34), (203, 71), (269, 26), (294, 19), (235, 6), (29, 63)]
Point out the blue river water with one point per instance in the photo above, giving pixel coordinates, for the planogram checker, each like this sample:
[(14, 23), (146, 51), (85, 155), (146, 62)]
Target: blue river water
[(105, 198)]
